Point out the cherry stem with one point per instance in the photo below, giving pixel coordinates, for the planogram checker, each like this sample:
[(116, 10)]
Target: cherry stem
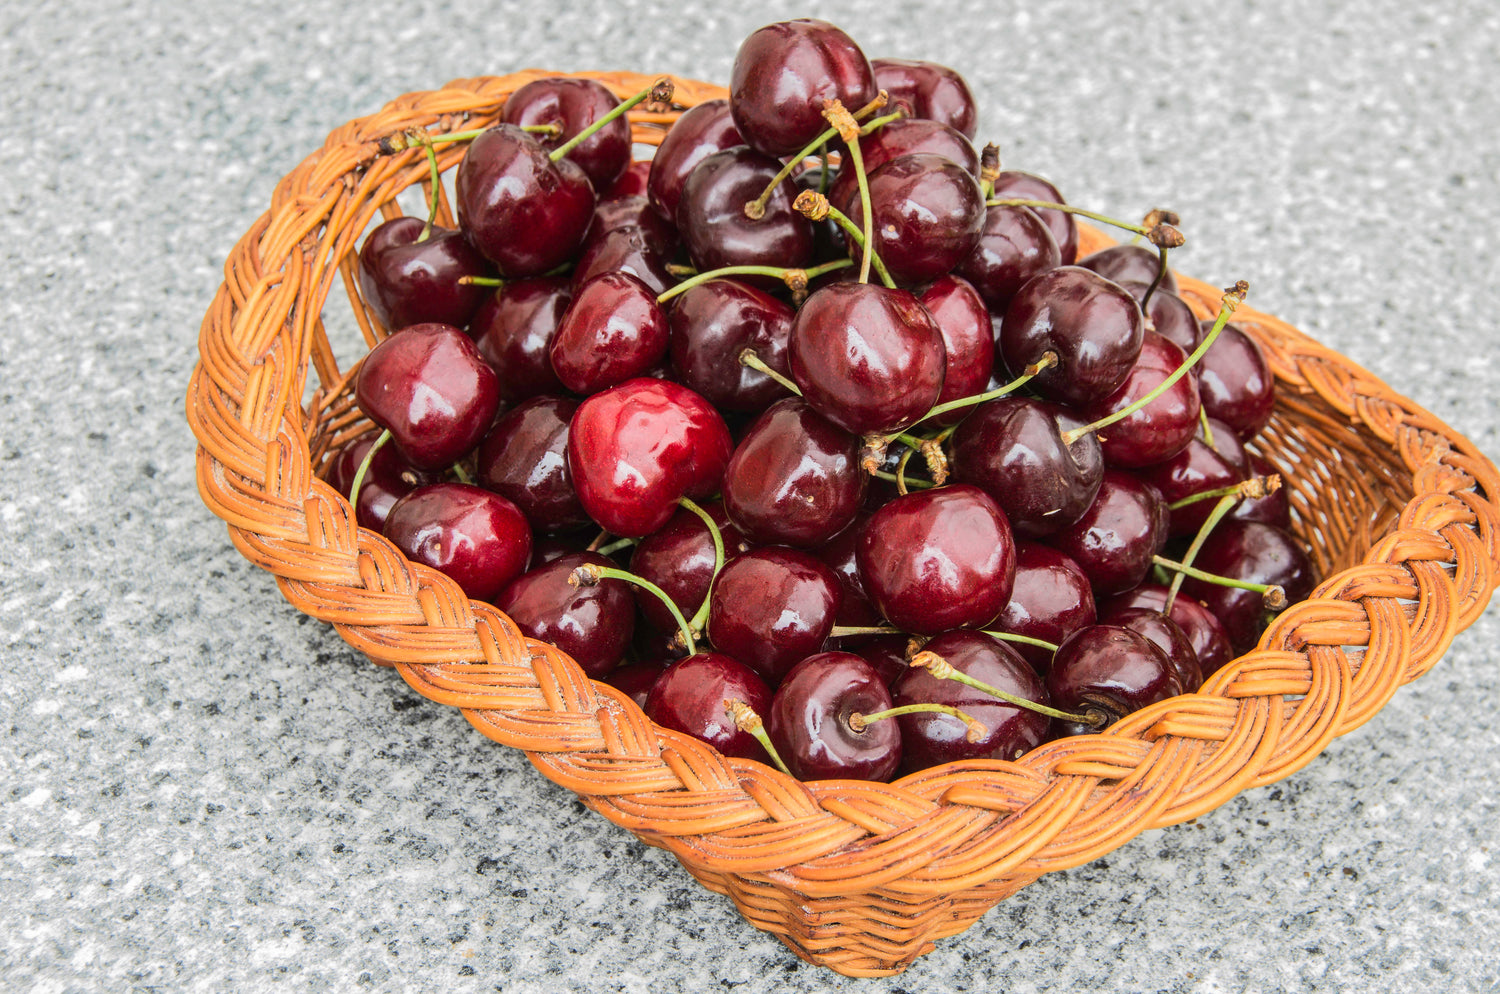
[(943, 670), (1023, 639), (841, 631), (1232, 298), (364, 468), (823, 168), (589, 575), (781, 273), (462, 474), (746, 720), (989, 169), (700, 618), (815, 207), (616, 546), (1069, 209), (1254, 488), (1161, 274), (1208, 432), (436, 181), (494, 281), (1224, 506), (975, 728), (1047, 361), (550, 130), (1273, 594), (660, 92), (881, 474), (901, 471), (749, 358), (756, 209), (681, 270)]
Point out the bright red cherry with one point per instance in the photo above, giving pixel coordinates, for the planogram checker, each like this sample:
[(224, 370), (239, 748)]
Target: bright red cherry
[(614, 331), (781, 77), (593, 624), (772, 607), (689, 697), (408, 281), (968, 340), (809, 720), (479, 539)]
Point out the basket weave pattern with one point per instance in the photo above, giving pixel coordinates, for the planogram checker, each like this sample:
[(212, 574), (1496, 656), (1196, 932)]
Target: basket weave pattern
[(1396, 508)]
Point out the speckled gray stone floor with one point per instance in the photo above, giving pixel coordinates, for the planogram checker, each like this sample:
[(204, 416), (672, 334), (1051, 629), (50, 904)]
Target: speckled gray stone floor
[(203, 791)]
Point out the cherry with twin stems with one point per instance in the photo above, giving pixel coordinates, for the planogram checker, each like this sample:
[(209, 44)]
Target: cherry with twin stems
[(413, 272), (593, 624)]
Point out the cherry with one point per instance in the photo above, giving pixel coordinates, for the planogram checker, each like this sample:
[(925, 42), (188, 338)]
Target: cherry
[(699, 132), (406, 279), (938, 559), (1051, 599), (1014, 246), (711, 324), (1109, 671), (1163, 427), (637, 448), (1253, 552), (514, 329), (633, 182), (809, 720), (1011, 731), (867, 358), (1168, 315), (679, 558), (1115, 540), (1197, 468), (629, 212), (428, 386), (772, 607), (572, 105), (479, 539), (711, 214), (547, 548), (928, 216), (795, 478), (1204, 633), (968, 340), (593, 624), (630, 248), (783, 74), (386, 481), (887, 654), (1012, 448), (1093, 326), (1013, 184), (1168, 636), (929, 91), (635, 680), (1120, 263), (839, 555), (904, 136), (524, 212), (689, 697), (1236, 383), (614, 331), (524, 458)]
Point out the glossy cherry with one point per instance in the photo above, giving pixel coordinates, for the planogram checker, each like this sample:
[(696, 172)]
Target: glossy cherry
[(632, 249), (572, 104), (428, 385), (632, 182), (1014, 246), (887, 654), (904, 136), (679, 558), (928, 91), (809, 720), (1236, 383), (938, 559), (613, 331), (840, 555), (593, 624), (1109, 671), (1115, 540), (689, 697), (386, 481), (1120, 263), (1259, 553), (772, 607), (1273, 509), (1051, 599), (711, 325), (1013, 184), (1168, 315), (1197, 468), (1163, 427), (408, 280), (711, 214), (1204, 633), (514, 329), (629, 212), (968, 340), (1168, 636), (927, 212), (479, 539), (524, 458), (781, 77), (699, 132)]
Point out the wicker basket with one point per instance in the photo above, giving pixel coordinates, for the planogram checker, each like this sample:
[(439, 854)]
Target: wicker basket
[(1395, 507)]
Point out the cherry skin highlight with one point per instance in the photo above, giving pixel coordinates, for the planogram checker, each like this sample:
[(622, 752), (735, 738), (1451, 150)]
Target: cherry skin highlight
[(478, 539), (772, 607)]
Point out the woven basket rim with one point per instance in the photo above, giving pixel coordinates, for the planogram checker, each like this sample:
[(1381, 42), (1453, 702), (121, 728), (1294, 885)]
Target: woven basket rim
[(963, 825)]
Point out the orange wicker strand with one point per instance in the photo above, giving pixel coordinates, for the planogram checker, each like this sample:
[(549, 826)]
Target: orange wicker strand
[(1396, 509)]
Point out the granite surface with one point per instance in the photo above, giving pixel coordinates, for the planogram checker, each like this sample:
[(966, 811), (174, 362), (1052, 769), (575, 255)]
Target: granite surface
[(205, 791)]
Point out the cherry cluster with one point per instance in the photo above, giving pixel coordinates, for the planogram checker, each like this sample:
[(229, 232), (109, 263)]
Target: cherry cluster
[(811, 432)]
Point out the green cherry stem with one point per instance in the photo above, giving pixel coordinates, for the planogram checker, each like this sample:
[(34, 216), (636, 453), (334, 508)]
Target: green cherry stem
[(1208, 432), (364, 468), (815, 207), (589, 575), (659, 92), (1047, 361), (1023, 639), (756, 209), (1233, 297), (435, 179), (1068, 209), (1224, 506), (901, 471), (493, 281), (779, 272), (943, 670), (746, 720), (616, 546), (700, 617), (1254, 488), (462, 474), (881, 474), (1273, 594), (842, 631), (975, 729), (755, 362)]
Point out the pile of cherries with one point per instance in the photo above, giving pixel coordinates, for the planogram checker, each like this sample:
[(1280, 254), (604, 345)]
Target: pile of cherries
[(810, 432)]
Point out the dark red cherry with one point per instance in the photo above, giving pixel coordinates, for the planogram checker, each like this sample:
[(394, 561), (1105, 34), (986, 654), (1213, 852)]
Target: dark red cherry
[(930, 739), (795, 477), (524, 212), (633, 181), (629, 212), (428, 385), (840, 555), (1168, 315), (968, 340), (772, 607), (1051, 600), (635, 249), (636, 449), (1163, 427), (1168, 636), (886, 653), (689, 697), (699, 132), (1012, 448), (1109, 671), (928, 90), (1115, 540), (1236, 383), (711, 324), (614, 331), (867, 358), (1198, 467), (524, 458), (1014, 246), (406, 281), (1259, 553), (546, 548), (781, 77), (1121, 263), (1013, 184), (1204, 633), (679, 558), (905, 136), (386, 481), (593, 624), (711, 214), (810, 714), (938, 559), (1093, 326), (514, 329), (1273, 509), (927, 212), (479, 539), (635, 680), (574, 104)]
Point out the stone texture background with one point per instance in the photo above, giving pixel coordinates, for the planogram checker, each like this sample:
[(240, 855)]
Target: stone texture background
[(203, 791)]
